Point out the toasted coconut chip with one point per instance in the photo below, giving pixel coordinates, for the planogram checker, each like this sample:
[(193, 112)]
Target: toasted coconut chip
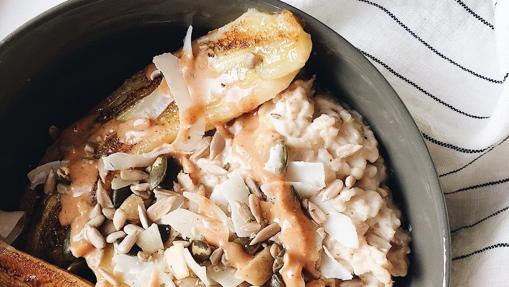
[(330, 268), (183, 221), (39, 174), (235, 190), (150, 239), (224, 276), (120, 160), (209, 207), (338, 225), (190, 131), (198, 270), (311, 173), (188, 48)]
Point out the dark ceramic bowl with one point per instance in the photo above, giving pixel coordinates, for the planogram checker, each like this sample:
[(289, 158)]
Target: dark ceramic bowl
[(58, 66)]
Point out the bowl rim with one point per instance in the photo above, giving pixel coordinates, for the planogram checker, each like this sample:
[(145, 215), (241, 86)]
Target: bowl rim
[(436, 193)]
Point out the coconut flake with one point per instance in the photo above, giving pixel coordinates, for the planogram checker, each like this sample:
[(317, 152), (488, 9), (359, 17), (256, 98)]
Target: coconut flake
[(224, 276), (235, 190), (331, 268), (197, 269), (150, 239), (208, 205), (188, 48), (338, 225), (176, 261), (120, 160), (190, 133), (39, 174), (305, 190), (151, 106), (12, 225), (183, 221), (311, 173)]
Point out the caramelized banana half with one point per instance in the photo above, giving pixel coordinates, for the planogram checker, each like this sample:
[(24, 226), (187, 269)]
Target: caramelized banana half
[(228, 72)]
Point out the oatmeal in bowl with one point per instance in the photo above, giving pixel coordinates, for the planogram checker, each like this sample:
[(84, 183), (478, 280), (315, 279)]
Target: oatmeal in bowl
[(218, 165)]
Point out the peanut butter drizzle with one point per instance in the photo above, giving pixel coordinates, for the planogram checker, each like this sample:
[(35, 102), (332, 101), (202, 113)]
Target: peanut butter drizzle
[(298, 233)]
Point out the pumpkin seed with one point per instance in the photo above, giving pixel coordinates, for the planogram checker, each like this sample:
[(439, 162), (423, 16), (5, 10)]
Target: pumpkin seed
[(200, 250), (119, 195), (216, 255), (266, 233), (158, 171)]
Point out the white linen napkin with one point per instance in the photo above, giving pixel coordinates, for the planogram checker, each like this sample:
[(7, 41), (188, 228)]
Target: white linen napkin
[(449, 61)]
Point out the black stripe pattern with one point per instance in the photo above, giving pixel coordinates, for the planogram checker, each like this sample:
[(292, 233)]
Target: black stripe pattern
[(494, 246), (441, 55), (485, 184), (453, 147), (475, 14), (472, 161), (481, 220), (376, 60)]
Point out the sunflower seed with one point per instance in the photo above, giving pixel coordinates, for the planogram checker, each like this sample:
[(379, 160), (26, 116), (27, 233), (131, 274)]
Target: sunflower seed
[(332, 190), (108, 277), (216, 255), (119, 219), (133, 175), (102, 197), (94, 237), (108, 213), (275, 249), (244, 211), (96, 210), (253, 187), (161, 207), (97, 221), (141, 190), (350, 181), (112, 237), (211, 167), (160, 193), (347, 150), (132, 229), (266, 233), (187, 165), (251, 227), (128, 243), (142, 213), (216, 145), (316, 213), (201, 148), (51, 183), (254, 207), (185, 180)]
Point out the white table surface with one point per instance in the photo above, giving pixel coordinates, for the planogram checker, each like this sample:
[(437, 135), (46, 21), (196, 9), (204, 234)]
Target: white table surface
[(14, 13)]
